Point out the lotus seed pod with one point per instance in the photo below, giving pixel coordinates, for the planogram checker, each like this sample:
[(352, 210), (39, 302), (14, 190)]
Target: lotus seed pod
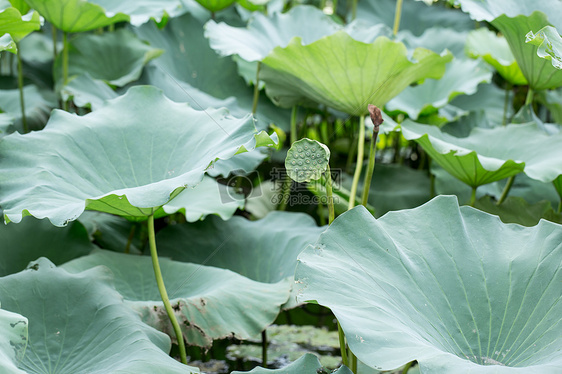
[(307, 160)]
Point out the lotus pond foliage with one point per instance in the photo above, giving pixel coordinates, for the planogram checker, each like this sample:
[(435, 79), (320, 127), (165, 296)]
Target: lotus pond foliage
[(280, 186)]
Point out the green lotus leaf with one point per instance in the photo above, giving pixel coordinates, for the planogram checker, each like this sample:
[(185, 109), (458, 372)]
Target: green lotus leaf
[(415, 17), (20, 5), (210, 303), (190, 70), (345, 74), (16, 25), (461, 77), (243, 163), (453, 288), (13, 341), (110, 160), (141, 11), (208, 197), (307, 364), (216, 5), (86, 91), (19, 248), (436, 39), (550, 44), (38, 105), (489, 155), (79, 324), (264, 33), (494, 49), (7, 44), (76, 15), (115, 57), (518, 210)]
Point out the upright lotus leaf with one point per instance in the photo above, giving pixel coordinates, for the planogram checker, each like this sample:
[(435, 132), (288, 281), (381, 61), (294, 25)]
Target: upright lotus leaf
[(461, 77), (76, 15), (265, 250), (215, 5), (111, 160), (115, 57), (58, 244), (550, 44), (209, 303), (436, 39), (307, 364), (489, 155), (345, 74), (79, 324), (16, 25), (517, 210), (13, 341), (141, 11), (86, 91), (264, 33), (453, 288), (514, 19), (494, 49), (38, 105), (208, 197), (7, 44), (415, 17)]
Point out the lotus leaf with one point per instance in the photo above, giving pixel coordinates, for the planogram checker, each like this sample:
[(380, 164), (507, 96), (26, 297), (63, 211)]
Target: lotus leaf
[(550, 44), (307, 364), (453, 288), (16, 25), (13, 341)]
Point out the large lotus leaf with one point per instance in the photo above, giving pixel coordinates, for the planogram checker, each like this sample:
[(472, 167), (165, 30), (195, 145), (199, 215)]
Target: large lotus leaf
[(415, 17), (345, 74), (550, 44), (16, 25), (86, 91), (115, 57), (436, 39), (243, 162), (76, 15), (58, 244), (141, 11), (494, 49), (13, 341), (264, 33), (190, 64), (461, 77), (7, 44), (215, 5), (307, 364), (79, 324), (489, 155), (518, 210), (208, 197), (111, 160), (453, 288), (210, 303), (38, 105)]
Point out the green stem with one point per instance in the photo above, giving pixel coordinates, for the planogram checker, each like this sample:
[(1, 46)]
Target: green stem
[(111, 28), (294, 125), (359, 166), (353, 360), (473, 196), (256, 89), (354, 10), (130, 239), (370, 169), (162, 289), (506, 189), (506, 103), (529, 98), (559, 210), (331, 211), (264, 348), (397, 15), (431, 178), (20, 86), (343, 348), (407, 367), (285, 193), (55, 38), (64, 66)]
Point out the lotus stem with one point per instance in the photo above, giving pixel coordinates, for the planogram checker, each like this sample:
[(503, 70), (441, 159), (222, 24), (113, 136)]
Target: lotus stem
[(397, 15), (359, 166), (294, 136), (343, 348), (506, 103), (256, 89), (431, 178), (354, 9), (55, 38), (407, 367), (376, 118), (64, 66), (130, 239), (111, 28), (264, 348), (331, 211), (506, 189), (162, 288), (473, 196), (20, 87), (559, 210), (353, 360), (529, 98)]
